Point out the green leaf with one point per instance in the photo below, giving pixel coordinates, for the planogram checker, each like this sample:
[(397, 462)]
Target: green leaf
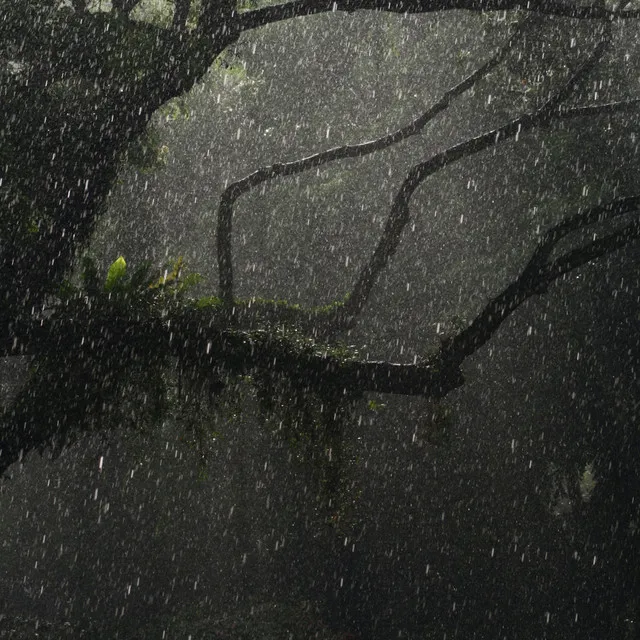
[(588, 482), (191, 280), (169, 278), (117, 271)]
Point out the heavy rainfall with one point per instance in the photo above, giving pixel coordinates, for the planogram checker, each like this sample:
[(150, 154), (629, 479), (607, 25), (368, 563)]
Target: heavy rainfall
[(319, 320)]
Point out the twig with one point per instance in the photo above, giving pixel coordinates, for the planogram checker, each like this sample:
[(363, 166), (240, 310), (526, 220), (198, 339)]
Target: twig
[(538, 273)]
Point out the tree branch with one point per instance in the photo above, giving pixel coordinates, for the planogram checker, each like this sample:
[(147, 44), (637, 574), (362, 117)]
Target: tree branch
[(596, 109), (199, 344), (286, 11), (538, 273), (593, 215), (399, 214), (595, 249), (239, 187), (218, 18)]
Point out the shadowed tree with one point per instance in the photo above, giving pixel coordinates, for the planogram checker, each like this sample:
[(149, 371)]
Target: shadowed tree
[(79, 88)]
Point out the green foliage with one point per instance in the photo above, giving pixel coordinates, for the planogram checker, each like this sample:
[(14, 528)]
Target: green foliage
[(136, 285), (374, 405), (246, 5), (89, 376), (208, 302), (145, 386), (176, 109), (158, 12), (229, 65), (170, 276), (116, 274), (332, 307), (312, 421), (195, 405)]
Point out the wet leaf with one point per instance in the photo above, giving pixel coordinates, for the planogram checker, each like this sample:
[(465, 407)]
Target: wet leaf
[(116, 273)]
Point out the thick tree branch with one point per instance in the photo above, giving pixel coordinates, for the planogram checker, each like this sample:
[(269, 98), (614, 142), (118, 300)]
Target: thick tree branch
[(298, 8), (538, 274), (218, 18), (399, 214), (239, 187), (200, 345)]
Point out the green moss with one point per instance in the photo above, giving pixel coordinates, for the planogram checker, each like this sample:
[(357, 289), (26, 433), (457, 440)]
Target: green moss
[(208, 302)]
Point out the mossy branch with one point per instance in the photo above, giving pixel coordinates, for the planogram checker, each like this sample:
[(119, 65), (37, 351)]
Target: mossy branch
[(539, 273)]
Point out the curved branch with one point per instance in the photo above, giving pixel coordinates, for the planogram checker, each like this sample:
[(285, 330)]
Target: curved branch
[(239, 187), (595, 249), (399, 214), (538, 274), (588, 217), (299, 8), (597, 109)]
